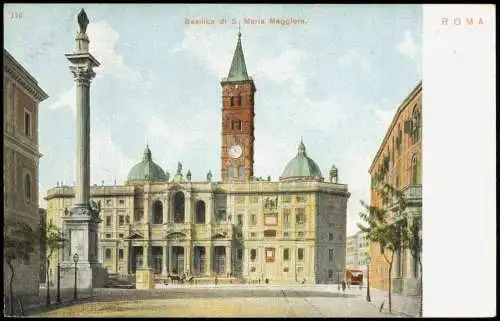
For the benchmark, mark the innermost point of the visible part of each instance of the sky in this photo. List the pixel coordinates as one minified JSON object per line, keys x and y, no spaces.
{"x":336,"y":81}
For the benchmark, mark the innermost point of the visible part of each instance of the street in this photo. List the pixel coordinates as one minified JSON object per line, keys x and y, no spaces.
{"x":222,"y":301}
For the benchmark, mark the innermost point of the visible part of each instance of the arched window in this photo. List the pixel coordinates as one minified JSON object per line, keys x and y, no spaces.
{"x":200,"y":212}
{"x":242,"y":172}
{"x":415,"y":179}
{"x":232,"y":101}
{"x":27,"y":187}
{"x":237,"y":101}
{"x":416,"y":124}
{"x":230,"y":174}
{"x":157,"y":212}
{"x":179,"y":207}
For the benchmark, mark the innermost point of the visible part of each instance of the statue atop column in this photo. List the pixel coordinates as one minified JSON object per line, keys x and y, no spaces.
{"x":83,"y":21}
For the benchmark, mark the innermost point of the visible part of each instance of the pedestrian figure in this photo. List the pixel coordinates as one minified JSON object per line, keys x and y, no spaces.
{"x":303,"y":281}
{"x":259,"y":280}
{"x":343,"y":285}
{"x":349,"y":284}
{"x":216,"y":280}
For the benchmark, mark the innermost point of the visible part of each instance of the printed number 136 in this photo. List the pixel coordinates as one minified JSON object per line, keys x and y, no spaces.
{"x":16,"y":15}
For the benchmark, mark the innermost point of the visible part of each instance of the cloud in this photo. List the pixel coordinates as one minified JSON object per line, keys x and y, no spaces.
{"x":177,"y":136}
{"x":408,"y":46}
{"x":353,"y":57}
{"x":107,"y":160}
{"x":285,"y":67}
{"x":103,"y":39}
{"x":203,"y":43}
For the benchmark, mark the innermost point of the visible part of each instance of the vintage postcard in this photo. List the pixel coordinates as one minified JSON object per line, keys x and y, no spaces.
{"x":224,"y":160}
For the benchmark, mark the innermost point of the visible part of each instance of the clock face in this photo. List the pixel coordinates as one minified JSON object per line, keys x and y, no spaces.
{"x":235,"y":151}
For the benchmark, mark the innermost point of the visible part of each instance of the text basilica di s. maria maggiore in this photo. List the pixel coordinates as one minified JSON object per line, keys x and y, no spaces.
{"x":241,"y":229}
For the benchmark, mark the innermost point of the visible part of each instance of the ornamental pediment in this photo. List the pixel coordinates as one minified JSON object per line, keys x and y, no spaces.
{"x":176,"y":236}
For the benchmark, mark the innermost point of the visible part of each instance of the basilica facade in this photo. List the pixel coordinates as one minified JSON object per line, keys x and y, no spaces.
{"x":241,"y":228}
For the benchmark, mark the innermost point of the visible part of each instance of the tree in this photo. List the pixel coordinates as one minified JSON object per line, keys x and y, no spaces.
{"x":53,"y":242}
{"x":412,"y":235}
{"x":379,"y":229}
{"x":20,"y":241}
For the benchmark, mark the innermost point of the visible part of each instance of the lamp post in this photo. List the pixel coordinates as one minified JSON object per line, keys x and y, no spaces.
{"x":58,"y":295}
{"x":368,"y":261}
{"x":75,"y":259}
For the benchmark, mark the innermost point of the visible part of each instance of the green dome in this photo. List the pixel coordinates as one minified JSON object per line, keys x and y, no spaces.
{"x":301,"y":167}
{"x":147,"y":170}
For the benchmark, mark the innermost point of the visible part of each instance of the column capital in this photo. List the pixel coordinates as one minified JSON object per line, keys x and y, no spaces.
{"x":82,"y":73}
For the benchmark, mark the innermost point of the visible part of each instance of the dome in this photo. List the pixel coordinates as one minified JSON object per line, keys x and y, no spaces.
{"x":147,"y":170}
{"x":301,"y":167}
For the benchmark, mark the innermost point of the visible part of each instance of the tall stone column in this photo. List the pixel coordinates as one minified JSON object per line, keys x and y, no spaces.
{"x":208,"y":260}
{"x":164,"y":261}
{"x":188,"y":257}
{"x":82,"y":223}
{"x":228,"y":268}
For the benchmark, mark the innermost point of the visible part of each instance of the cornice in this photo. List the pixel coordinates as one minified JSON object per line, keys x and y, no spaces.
{"x":400,"y":109}
{"x":16,"y":72}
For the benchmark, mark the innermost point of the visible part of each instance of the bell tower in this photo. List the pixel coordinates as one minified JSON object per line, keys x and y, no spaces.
{"x":238,"y":91}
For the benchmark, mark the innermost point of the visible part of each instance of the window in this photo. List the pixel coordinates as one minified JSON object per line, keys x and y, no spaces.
{"x":300,"y":234}
{"x":27,"y":123}
{"x":300,"y":217}
{"x":286,"y":218}
{"x":200,"y":212}
{"x":127,"y":220}
{"x":109,"y":202}
{"x":179,"y":207}
{"x":242,"y":172}
{"x":230,"y":173}
{"x":239,"y":254}
{"x":236,"y":124}
{"x":253,"y":235}
{"x":237,"y":100}
{"x":286,"y":254}
{"x":232,"y":101}
{"x":240,"y":220}
{"x":270,"y":233}
{"x":138,"y":215}
{"x":286,"y":234}
{"x":285,"y":269}
{"x":120,"y":254}
{"x":414,"y":165}
{"x":254,"y":219}
{"x":300,"y":254}
{"x":122,"y":202}
{"x":330,"y":255}
{"x":108,"y":236}
{"x":330,"y":236}
{"x":121,"y":220}
{"x":108,"y":220}
{"x":415,"y":130}
{"x":27,"y":187}
{"x":330,"y":274}
{"x":252,"y":269}
{"x":270,"y":254}
{"x":253,"y":254}
{"x":157,"y":212}
{"x":107,"y":254}
{"x":120,"y":235}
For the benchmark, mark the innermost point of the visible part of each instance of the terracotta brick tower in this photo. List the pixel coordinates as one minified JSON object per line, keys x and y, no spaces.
{"x":238,"y":91}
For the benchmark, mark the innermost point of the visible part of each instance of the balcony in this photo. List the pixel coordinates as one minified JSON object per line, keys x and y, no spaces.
{"x":412,"y":195}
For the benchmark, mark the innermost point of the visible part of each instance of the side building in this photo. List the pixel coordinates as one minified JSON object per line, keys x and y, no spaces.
{"x":20,"y":163}
{"x":287,"y":231}
{"x":398,"y":162}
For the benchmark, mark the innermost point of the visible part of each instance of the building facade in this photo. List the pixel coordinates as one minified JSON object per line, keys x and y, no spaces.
{"x":287,"y":231}
{"x":357,"y":251}
{"x":398,"y":162}
{"x":20,"y":161}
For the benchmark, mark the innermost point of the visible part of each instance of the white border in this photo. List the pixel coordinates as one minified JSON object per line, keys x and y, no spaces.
{"x":459,"y":263}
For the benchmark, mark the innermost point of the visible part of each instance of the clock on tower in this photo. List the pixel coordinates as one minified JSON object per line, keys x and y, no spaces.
{"x":238,"y":92}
